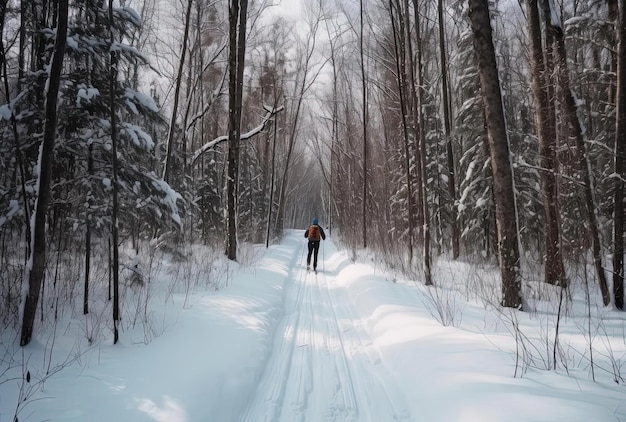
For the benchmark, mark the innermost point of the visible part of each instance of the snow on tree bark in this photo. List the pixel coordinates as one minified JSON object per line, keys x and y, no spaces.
{"x":35,"y":273}
{"x":575,"y":129}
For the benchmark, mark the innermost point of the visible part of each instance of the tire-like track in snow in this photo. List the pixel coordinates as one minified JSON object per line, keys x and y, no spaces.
{"x":323,"y":366}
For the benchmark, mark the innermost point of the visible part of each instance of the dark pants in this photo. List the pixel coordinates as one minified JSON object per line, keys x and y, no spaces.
{"x":314,"y":247}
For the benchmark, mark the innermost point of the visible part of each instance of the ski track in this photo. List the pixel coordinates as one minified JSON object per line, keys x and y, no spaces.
{"x":323,"y":365}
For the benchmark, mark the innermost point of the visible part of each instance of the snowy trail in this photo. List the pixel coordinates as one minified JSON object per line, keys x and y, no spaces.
{"x":280,"y":344}
{"x":323,"y":365}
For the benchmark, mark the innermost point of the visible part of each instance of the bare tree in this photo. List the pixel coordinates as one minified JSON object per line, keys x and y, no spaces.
{"x":35,"y":271}
{"x":14,"y":128}
{"x":414,"y":93}
{"x":87,"y":242}
{"x":575,"y":130}
{"x":447,"y":119}
{"x":115,"y":269}
{"x":303,"y":83}
{"x":402,"y":79}
{"x":613,"y":17}
{"x":506,"y":220}
{"x":620,"y":151}
{"x":417,"y":92}
{"x":364,"y":99}
{"x":334,"y":131}
{"x":179,"y":76}
{"x":238,"y":11}
{"x":272,"y":180}
{"x":554,"y":270}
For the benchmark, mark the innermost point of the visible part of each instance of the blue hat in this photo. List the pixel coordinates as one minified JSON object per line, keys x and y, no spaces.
{"x":315,"y":221}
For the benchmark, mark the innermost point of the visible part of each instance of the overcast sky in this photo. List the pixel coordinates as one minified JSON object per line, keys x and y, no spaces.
{"x":288,"y":8}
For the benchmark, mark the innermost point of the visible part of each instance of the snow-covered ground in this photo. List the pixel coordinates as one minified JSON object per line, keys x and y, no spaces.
{"x":347,"y":344}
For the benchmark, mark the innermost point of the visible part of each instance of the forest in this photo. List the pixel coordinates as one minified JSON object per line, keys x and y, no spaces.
{"x":487,"y":132}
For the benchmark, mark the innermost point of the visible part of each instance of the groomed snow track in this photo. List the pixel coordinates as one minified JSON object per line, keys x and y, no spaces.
{"x":323,"y":366}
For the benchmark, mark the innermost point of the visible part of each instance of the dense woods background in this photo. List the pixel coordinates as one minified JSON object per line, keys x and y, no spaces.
{"x":482,"y":131}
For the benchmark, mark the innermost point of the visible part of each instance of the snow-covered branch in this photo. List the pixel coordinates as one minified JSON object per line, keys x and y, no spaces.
{"x":212,"y":144}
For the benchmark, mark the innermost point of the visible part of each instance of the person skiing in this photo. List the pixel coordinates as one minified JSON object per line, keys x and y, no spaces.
{"x":314,"y":234}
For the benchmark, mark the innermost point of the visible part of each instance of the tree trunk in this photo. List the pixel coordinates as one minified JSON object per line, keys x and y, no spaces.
{"x":365,"y":124}
{"x":613,"y":17}
{"x":334,"y":138}
{"x":113,"y":71}
{"x":445,"y":98}
{"x":418,"y":96}
{"x":301,"y":87}
{"x":554,"y":270}
{"x":272,"y":181}
{"x":36,"y":267}
{"x":508,"y":248}
{"x":399,"y":46}
{"x":87,"y":242}
{"x":237,"y":26}
{"x":21,"y":60}
{"x":16,"y":136}
{"x":620,"y":150}
{"x":179,"y":76}
{"x":576,"y":131}
{"x":87,"y":268}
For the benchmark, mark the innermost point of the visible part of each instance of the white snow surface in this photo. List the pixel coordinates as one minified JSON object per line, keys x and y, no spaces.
{"x":86,"y":94}
{"x":279,"y":343}
{"x":5,"y":112}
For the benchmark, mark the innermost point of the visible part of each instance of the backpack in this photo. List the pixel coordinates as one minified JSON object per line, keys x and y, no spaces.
{"x":314,"y":232}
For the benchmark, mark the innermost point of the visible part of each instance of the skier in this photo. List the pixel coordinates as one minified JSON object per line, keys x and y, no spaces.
{"x":314,"y":233}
